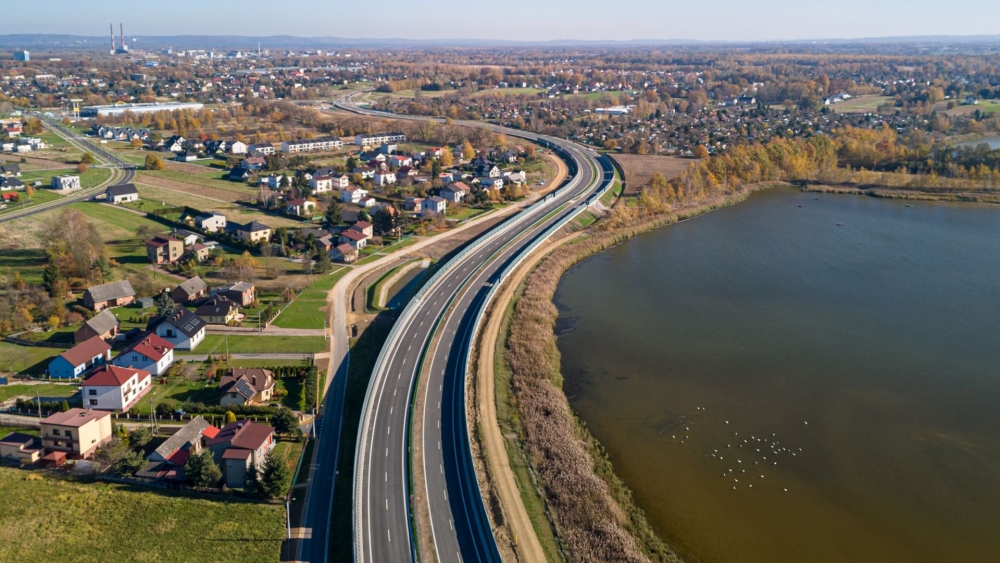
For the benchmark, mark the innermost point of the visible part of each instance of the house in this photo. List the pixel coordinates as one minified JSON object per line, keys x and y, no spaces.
{"x":254,"y":231}
{"x":122,"y":193}
{"x":66,"y":182}
{"x":239,"y":173}
{"x":364,"y":227}
{"x":241,"y":293}
{"x":115,"y":388}
{"x":340,"y":181}
{"x":74,"y":362}
{"x":446,"y":177}
{"x":11,"y":169}
{"x":368,"y":142}
{"x":325,"y":243}
{"x":387,"y":148}
{"x":344,"y":253}
{"x":276,"y":181}
{"x":174,"y":144}
{"x":300,"y":207}
{"x":384,"y":178}
{"x":354,"y":238}
{"x":367,"y":202}
{"x":238,"y":147}
{"x":433,"y":206}
{"x":246,"y":386}
{"x":149,"y":352}
{"x":22,"y":448}
{"x":168,"y":459}
{"x":352,"y":194}
{"x":9,"y":183}
{"x":114,"y":294}
{"x":103,"y":325}
{"x":190,"y":290}
{"x":413,"y":203}
{"x":77,"y":433}
{"x":516,"y":177}
{"x":321,"y":184}
{"x":186,"y":236}
{"x":182,"y":328}
{"x":164,"y":249}
{"x":261,"y":149}
{"x":322,"y":144}
{"x":490,"y":183}
{"x":211,"y":222}
{"x":186,"y":156}
{"x":455,"y":193}
{"x":218,"y":311}
{"x":199,"y":251}
{"x":405,"y":172}
{"x":239,"y":446}
{"x":400,"y":160}
{"x":488,"y":171}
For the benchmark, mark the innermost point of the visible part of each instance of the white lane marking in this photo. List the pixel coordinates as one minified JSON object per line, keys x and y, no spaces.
{"x":409,"y":347}
{"x":441,"y":467}
{"x":439,"y":405}
{"x":387,"y":504}
{"x":387,"y":452}
{"x":388,"y":533}
{"x":439,"y":424}
{"x":450,"y":524}
{"x":388,"y":429}
{"x":391,"y":409}
{"x":386,"y":476}
{"x":445,"y":495}
{"x":439,"y":444}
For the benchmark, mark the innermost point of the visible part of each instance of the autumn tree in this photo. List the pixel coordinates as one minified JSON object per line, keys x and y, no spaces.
{"x":153,"y":162}
{"x":468,"y":152}
{"x":135,"y":143}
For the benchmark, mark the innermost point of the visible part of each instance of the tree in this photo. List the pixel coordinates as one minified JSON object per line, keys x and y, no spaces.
{"x":230,"y":417}
{"x":165,"y":304}
{"x":139,"y":437}
{"x":64,"y":406}
{"x":87,"y":159}
{"x":81,"y":168}
{"x":129,"y":464}
{"x":111,"y":452}
{"x":29,"y":191}
{"x":202,"y":471}
{"x":135,"y":143}
{"x":153,"y":162}
{"x":274,"y":476}
{"x":700,"y":152}
{"x":284,"y":422}
{"x":333,"y":214}
{"x":447,"y":159}
{"x":323,"y":263}
{"x":468,"y":153}
{"x":144,"y":231}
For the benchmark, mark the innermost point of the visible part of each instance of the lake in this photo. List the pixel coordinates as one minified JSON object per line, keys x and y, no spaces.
{"x":993,"y":142}
{"x":800,"y":377}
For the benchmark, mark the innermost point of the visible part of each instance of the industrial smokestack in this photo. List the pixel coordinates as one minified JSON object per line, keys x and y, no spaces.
{"x":112,"y":27}
{"x":122,"y":28}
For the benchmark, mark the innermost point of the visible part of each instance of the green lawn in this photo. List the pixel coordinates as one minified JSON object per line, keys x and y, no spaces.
{"x":31,"y":359}
{"x":46,"y":517}
{"x":92,"y":177}
{"x":463,"y":213}
{"x":211,"y":179}
{"x":245,"y":344}
{"x":40,"y":196}
{"x":612,"y":194}
{"x":126,"y":221}
{"x":294,"y":398}
{"x":304,"y":311}
{"x":43,"y":390}
{"x":509,"y":91}
{"x":178,"y":390}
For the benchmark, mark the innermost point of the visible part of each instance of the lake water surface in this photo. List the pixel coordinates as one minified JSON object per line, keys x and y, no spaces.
{"x":800,"y":377}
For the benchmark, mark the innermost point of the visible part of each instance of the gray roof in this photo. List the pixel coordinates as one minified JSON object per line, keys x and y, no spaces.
{"x":109,"y":291}
{"x":186,"y":435}
{"x":103,"y":322}
{"x":186,"y":321}
{"x":122,"y":189}
{"x":193,"y":286}
{"x":238,"y":287}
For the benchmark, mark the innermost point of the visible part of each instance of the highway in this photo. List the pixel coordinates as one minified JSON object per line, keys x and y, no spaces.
{"x":122,"y":173}
{"x":447,"y":308}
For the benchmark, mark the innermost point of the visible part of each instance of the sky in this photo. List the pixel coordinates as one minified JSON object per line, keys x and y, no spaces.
{"x":524,"y":20}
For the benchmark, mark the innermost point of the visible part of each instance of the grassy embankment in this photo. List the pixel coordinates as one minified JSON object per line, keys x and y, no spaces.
{"x":309,"y":308}
{"x":44,"y":517}
{"x":596,"y":517}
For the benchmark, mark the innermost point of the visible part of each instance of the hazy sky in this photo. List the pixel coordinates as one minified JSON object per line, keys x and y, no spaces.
{"x":511,"y":19}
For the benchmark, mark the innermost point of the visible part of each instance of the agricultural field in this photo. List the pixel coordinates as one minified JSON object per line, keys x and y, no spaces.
{"x":640,"y":168}
{"x":250,"y":344}
{"x":47,"y":517}
{"x":861,"y":104}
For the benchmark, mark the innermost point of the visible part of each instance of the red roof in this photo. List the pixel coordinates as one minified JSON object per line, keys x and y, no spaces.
{"x":353,"y":235}
{"x":75,"y":417}
{"x":179,"y":457}
{"x":158,"y":241}
{"x":243,"y":434}
{"x":86,"y":351}
{"x":236,"y":453}
{"x":113,"y":376}
{"x":296,"y":202}
{"x":210,"y":432}
{"x":151,"y":346}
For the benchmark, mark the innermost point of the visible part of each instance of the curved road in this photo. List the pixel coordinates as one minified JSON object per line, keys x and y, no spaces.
{"x":122,"y":173}
{"x":447,"y":308}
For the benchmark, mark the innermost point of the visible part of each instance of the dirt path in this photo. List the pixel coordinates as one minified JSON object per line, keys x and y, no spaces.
{"x":495,"y":448}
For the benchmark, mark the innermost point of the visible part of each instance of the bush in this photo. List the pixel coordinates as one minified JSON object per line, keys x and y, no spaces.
{"x":129,"y":464}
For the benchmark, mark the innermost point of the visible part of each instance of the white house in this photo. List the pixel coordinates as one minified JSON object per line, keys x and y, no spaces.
{"x":341,"y":181}
{"x":384,"y":178}
{"x":356,"y":239}
{"x":367,"y":202}
{"x":113,"y":388}
{"x":182,"y":328}
{"x":66,"y":182}
{"x":491,"y":183}
{"x":323,"y":144}
{"x":211,"y":222}
{"x":321,"y":184}
{"x":353,"y":194}
{"x":516,"y":177}
{"x":122,"y":193}
{"x":432,"y":206}
{"x":455,"y":193}
{"x":150,"y":353}
{"x":238,"y":147}
{"x":300,"y":207}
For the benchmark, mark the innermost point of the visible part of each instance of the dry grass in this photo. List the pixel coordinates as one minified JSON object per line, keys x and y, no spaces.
{"x":202,"y":191}
{"x":640,"y":168}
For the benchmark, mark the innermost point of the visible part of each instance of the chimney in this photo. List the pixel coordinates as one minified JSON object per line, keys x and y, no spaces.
{"x":122,"y":28}
{"x":112,"y":27}
{"x":253,"y":380}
